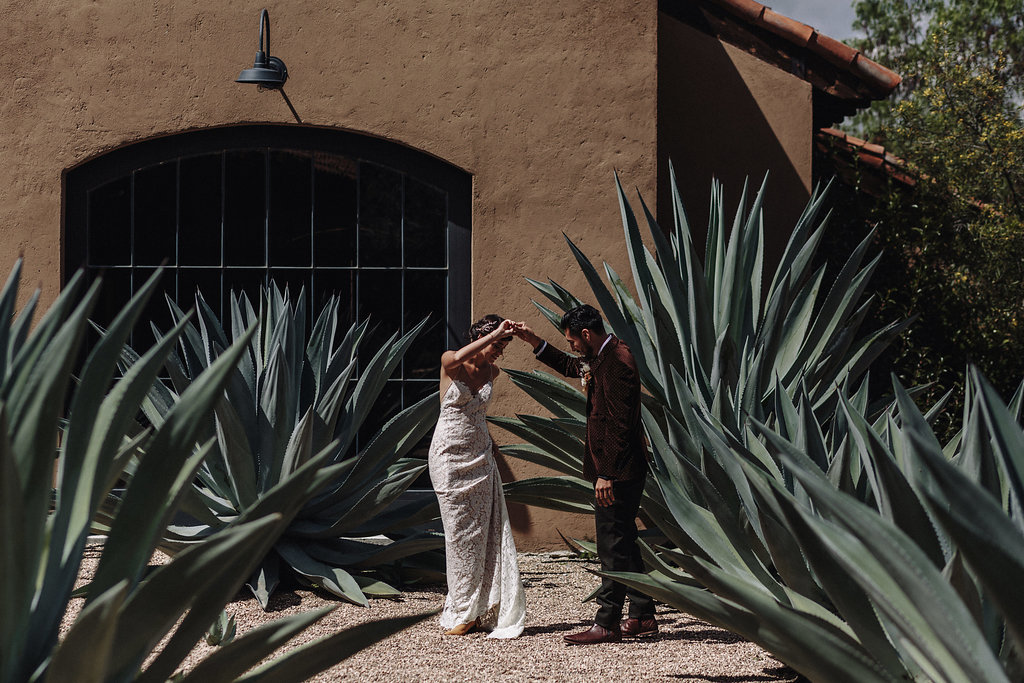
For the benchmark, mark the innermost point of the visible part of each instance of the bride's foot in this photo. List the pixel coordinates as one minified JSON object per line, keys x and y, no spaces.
{"x":462,"y":629}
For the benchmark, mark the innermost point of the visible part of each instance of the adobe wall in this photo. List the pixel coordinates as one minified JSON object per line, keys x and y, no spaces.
{"x":727,"y":114}
{"x":540,"y":101}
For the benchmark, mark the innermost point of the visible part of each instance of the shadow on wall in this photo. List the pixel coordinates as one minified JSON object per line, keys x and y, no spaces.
{"x":712,"y":123}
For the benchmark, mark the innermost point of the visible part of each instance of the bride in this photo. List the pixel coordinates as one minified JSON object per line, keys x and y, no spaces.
{"x":484,"y":590}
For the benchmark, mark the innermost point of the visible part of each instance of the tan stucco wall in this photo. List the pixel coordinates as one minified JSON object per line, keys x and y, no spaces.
{"x":538,"y":100}
{"x":728,"y":114}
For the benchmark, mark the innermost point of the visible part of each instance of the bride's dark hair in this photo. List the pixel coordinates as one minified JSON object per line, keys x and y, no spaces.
{"x":484,"y":326}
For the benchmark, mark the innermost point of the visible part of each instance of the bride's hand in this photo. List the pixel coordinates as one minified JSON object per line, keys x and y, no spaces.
{"x":506,"y":329}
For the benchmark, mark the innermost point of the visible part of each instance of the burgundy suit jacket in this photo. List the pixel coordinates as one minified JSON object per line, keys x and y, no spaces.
{"x":615,"y":443}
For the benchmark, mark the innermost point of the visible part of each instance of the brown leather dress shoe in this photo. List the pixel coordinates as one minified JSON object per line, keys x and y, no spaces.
{"x":594,"y":635}
{"x":644,"y":627}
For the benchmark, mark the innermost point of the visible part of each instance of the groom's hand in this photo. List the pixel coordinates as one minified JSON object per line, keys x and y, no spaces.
{"x":527,"y":335}
{"x":603,"y":492}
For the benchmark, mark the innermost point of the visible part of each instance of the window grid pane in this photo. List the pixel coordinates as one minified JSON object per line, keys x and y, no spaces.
{"x":373,"y":236}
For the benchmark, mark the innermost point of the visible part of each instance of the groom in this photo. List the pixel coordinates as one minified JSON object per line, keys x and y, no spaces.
{"x":614,"y":460}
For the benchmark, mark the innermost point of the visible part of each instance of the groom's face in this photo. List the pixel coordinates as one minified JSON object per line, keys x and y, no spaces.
{"x":581,"y":343}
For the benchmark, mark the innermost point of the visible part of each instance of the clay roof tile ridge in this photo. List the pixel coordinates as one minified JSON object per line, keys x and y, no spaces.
{"x":877,"y":77}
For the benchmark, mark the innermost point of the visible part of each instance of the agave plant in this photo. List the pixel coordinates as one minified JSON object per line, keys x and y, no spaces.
{"x":289,"y":398}
{"x":839,"y":536}
{"x":705,"y":334}
{"x":117,"y":635}
{"x":904,"y":568}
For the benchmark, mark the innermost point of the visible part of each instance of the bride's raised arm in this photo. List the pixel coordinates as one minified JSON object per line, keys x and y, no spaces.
{"x":450,"y":360}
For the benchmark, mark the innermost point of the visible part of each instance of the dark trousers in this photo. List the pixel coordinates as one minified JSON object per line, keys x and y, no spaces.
{"x":618,"y":551}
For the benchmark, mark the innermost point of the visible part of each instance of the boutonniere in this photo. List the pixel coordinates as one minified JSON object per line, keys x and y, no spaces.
{"x":585,"y":375}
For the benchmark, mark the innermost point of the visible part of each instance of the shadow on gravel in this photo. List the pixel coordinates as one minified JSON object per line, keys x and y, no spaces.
{"x":555,"y":628}
{"x":705,"y":634}
{"x":281,"y":600}
{"x":778,"y":674}
{"x":669,"y":631}
{"x":702,"y":635}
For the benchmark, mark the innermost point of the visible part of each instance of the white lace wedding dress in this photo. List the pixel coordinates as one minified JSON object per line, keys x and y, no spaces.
{"x":483,"y":575}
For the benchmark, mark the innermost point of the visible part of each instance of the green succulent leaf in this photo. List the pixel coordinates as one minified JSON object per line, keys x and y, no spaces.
{"x":567,"y":494}
{"x":988,"y":538}
{"x":310,"y":659}
{"x":233,"y":659}
{"x":813,"y":647}
{"x":905,"y":586}
{"x":215,"y":570}
{"x":285,"y":434}
{"x":825,"y":526}
{"x":138,"y":622}
{"x":333,"y":579}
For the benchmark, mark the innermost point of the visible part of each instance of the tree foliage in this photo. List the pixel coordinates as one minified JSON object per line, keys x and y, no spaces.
{"x":897,"y":32}
{"x":954,"y":239}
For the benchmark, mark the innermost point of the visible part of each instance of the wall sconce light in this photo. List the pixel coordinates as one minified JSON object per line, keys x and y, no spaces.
{"x":266,"y":71}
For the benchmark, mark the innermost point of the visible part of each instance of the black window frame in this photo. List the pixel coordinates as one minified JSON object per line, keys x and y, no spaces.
{"x":79,"y":181}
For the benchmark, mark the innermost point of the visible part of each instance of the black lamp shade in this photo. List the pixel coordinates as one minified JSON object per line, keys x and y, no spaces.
{"x":267,"y":72}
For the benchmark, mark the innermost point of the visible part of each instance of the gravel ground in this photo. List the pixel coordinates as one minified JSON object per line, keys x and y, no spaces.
{"x":687,"y":649}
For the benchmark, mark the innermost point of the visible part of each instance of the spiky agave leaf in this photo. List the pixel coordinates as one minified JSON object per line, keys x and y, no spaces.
{"x":757,"y":412}
{"x":294,"y":399}
{"x":123,"y":620}
{"x":704,"y":335}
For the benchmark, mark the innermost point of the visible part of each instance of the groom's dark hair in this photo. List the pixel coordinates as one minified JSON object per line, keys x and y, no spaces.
{"x":583,"y":317}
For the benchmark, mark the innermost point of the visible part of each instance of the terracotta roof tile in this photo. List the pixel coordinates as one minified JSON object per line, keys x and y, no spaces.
{"x":830,"y":140}
{"x":880,"y":79}
{"x":869,"y":154}
{"x":801,"y":34}
{"x":748,"y":9}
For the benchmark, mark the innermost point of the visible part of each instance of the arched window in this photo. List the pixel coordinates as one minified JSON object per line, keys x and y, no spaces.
{"x":384,"y":226}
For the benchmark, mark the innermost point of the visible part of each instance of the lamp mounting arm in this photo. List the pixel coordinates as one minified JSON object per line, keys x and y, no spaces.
{"x":264,"y":25}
